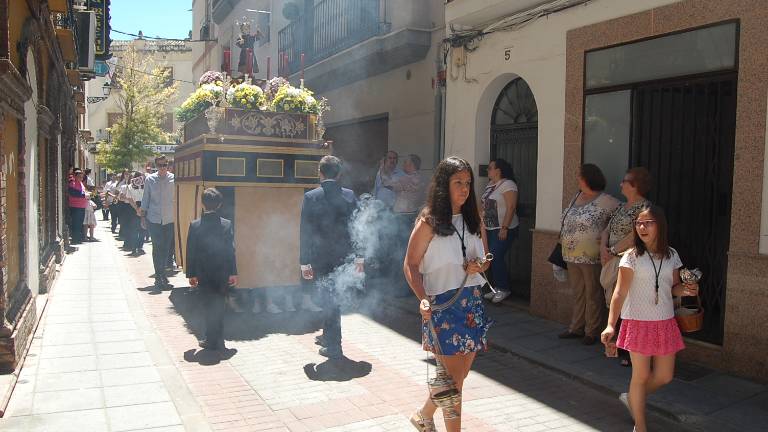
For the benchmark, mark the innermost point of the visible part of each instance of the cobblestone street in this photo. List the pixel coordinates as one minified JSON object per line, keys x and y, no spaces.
{"x":109,"y":355}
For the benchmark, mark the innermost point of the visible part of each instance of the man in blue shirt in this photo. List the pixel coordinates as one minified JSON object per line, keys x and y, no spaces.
{"x":157,"y":207}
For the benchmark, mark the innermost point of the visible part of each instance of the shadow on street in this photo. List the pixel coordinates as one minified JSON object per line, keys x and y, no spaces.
{"x":208,"y":357}
{"x":342,"y":369}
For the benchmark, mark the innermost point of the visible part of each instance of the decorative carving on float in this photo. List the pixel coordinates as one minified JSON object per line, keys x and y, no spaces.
{"x":274,"y":125}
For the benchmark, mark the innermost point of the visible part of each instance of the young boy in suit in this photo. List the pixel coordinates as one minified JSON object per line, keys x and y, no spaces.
{"x":211,"y":265}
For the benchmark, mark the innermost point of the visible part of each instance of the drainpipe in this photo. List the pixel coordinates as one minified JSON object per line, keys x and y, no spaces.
{"x":441,"y":85}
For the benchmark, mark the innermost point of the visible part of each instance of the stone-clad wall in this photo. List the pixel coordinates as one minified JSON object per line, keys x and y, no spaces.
{"x":745,"y":343}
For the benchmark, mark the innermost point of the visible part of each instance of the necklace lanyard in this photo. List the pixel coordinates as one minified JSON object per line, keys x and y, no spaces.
{"x":656,"y":273}
{"x":461,"y":237}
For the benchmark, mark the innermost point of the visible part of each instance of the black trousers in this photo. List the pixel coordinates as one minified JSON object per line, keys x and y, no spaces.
{"x":162,"y":242}
{"x":121,"y":223}
{"x":105,"y":213}
{"x":332,"y":312}
{"x":131,"y":223}
{"x":76,"y":217}
{"x":213,"y":298}
{"x":116,"y":211}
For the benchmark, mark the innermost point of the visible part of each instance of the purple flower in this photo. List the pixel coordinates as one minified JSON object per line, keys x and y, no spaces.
{"x":273,"y":85}
{"x":211,"y":77}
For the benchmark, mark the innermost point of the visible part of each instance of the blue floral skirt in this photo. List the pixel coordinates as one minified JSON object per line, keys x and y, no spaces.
{"x":460,"y":328}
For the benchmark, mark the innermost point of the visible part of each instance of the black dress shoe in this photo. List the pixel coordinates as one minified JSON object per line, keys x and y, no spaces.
{"x":568,"y":335}
{"x":331,"y":353}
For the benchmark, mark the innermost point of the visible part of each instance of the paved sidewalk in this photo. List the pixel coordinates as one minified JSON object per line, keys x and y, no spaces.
{"x":95,"y":363}
{"x":698,"y":397}
{"x":112,"y":355}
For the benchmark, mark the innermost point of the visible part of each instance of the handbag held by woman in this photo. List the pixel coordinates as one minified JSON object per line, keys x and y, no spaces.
{"x":690,"y":318}
{"x":556,"y":257}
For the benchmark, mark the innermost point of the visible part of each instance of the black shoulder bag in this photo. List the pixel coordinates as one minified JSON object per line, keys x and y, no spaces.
{"x":556,"y":257}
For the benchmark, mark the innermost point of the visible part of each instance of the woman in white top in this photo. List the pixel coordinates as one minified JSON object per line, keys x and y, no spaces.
{"x":118,"y":206}
{"x":649,"y":276}
{"x":501,"y":222}
{"x":443,"y":269}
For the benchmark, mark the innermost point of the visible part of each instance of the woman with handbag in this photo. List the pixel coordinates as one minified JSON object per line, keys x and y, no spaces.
{"x":501,"y":222}
{"x":649,"y":277}
{"x":619,"y":235}
{"x":443,"y":263}
{"x":583,"y":222}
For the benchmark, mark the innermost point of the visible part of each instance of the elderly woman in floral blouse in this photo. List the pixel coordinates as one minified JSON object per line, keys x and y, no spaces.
{"x":583,"y":223}
{"x":618,"y":236}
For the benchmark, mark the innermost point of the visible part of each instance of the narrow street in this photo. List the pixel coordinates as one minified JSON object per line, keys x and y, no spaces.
{"x":108,"y":355}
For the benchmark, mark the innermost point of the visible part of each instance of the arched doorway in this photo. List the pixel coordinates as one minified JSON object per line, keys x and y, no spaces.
{"x":514,"y":137}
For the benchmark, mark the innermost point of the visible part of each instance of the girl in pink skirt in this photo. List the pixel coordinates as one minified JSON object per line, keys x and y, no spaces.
{"x":648,"y":279}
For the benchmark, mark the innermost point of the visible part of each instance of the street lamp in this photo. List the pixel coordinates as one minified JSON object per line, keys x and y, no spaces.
{"x":105,"y":90}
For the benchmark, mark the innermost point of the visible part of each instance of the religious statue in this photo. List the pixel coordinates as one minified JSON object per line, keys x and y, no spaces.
{"x":245,"y":41}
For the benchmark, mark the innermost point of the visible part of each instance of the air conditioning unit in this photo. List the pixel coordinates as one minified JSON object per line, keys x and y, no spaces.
{"x":86,"y":43}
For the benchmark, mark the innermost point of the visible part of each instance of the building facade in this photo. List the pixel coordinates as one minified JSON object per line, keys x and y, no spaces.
{"x":41,"y":111}
{"x":676,"y":86}
{"x":104,"y":109}
{"x":376,"y":61}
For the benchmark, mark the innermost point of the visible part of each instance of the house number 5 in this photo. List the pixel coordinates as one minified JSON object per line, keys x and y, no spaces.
{"x":507,"y":54}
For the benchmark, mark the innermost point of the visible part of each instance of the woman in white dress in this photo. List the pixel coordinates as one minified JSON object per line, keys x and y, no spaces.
{"x":89,"y":222}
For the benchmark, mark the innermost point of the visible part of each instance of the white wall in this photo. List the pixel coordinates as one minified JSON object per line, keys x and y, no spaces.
{"x":537,"y":54}
{"x":409,"y":103}
{"x":98,"y":113}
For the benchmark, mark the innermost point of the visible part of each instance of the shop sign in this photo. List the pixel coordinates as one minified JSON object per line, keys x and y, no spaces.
{"x":164,"y":149}
{"x":101,"y":9}
{"x":101,"y":68}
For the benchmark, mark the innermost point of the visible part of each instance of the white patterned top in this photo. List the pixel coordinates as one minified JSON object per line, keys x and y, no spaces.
{"x":640,"y":302}
{"x":582,"y":227}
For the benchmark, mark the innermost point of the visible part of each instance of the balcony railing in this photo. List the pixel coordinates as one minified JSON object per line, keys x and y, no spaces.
{"x":330,"y":27}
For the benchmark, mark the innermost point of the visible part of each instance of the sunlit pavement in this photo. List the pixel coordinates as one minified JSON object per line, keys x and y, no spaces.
{"x":112,"y":355}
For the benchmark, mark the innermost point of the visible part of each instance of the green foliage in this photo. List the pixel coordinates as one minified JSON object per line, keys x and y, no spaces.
{"x":143,"y":92}
{"x":130,"y":140}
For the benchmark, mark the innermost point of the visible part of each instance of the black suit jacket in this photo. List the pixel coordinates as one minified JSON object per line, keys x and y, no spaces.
{"x":211,"y":250}
{"x":324,"y":232}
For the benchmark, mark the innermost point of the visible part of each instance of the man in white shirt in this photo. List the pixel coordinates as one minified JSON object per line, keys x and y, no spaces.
{"x":388,"y":171}
{"x":157,"y":207}
{"x":106,"y":197}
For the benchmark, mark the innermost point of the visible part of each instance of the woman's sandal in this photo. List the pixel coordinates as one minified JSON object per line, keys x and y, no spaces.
{"x":421,"y":423}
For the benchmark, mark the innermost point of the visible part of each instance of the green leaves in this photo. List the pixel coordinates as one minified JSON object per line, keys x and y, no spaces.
{"x":144,"y":91}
